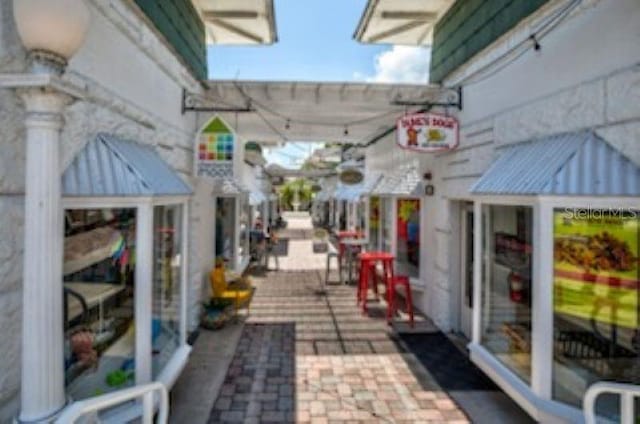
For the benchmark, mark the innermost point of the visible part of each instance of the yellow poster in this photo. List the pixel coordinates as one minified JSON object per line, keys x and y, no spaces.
{"x":596,"y":265}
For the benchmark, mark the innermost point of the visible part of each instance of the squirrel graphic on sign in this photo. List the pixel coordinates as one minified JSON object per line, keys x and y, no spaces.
{"x":412,"y":136}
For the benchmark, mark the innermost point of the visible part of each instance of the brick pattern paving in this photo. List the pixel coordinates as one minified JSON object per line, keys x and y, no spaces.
{"x":306,"y":356}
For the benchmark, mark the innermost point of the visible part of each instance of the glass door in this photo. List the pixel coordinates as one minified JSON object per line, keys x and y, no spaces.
{"x":466,"y":274}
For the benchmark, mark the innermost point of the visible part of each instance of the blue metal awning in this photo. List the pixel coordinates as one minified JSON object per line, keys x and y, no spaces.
{"x":110,"y":166}
{"x":573,"y":164}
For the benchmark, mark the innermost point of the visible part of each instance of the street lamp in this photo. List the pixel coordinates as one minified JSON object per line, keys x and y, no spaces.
{"x":51,"y":30}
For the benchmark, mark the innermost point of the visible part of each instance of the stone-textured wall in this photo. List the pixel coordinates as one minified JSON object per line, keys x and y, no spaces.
{"x":12,"y":58}
{"x":538,"y":95}
{"x":142,"y":105}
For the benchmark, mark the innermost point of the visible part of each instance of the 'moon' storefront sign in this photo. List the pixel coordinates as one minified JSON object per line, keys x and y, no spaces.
{"x":427,"y":132}
{"x":215,"y":151}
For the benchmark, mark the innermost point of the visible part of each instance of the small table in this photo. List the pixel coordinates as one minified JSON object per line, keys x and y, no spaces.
{"x":366,"y":259}
{"x":352,"y":246}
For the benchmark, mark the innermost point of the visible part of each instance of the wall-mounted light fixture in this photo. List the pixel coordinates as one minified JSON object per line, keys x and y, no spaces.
{"x":429,"y":189}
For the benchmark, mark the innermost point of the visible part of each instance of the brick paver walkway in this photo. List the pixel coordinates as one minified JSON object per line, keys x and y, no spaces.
{"x":309,"y":357}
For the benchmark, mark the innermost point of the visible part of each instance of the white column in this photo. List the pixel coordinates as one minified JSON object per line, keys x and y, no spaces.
{"x":43,"y":391}
{"x":144,"y":292}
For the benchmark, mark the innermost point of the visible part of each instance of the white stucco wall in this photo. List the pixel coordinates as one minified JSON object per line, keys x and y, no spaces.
{"x":135,"y":88}
{"x":586,"y":76}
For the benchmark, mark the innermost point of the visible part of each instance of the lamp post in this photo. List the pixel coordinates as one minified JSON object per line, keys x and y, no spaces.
{"x":52,"y":31}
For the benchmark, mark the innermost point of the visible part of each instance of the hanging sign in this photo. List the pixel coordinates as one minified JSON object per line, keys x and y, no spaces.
{"x":215,"y":150}
{"x":427,"y":132}
{"x":351,"y":176}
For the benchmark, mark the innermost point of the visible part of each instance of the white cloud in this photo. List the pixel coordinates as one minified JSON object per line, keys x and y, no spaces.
{"x":401,"y":64}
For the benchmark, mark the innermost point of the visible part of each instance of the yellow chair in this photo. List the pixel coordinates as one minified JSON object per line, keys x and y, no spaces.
{"x":239,"y":293}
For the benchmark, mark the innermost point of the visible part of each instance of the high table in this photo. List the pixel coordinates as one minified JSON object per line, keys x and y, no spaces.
{"x":366,"y":261}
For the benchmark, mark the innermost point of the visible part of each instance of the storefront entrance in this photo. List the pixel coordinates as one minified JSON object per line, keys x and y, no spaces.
{"x":466,"y":271}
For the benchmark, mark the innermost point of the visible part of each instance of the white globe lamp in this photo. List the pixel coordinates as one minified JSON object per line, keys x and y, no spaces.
{"x":51,"y":30}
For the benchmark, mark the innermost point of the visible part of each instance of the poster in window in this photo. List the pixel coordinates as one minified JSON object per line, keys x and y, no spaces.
{"x":596,"y":268}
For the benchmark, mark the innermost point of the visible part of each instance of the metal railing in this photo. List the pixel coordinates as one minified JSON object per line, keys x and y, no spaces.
{"x":93,"y":405}
{"x":627,"y":393}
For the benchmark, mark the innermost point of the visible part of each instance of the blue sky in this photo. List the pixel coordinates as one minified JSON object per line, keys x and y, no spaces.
{"x":315,"y":43}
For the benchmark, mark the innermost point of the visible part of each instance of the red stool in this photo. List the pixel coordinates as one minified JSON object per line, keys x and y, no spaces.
{"x":400,"y":281}
{"x":368,"y":273}
{"x":368,"y":261}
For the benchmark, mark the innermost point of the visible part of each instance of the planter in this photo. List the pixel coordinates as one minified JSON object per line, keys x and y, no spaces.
{"x":215,"y":315}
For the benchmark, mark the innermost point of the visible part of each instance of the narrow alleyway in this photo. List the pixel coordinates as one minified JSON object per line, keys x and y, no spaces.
{"x":308,"y":355}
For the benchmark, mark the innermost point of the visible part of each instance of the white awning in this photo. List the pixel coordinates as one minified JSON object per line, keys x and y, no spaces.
{"x":238,"y":21}
{"x":404,"y":22}
{"x":310,"y":111}
{"x":228,"y":187}
{"x":405,"y":181}
{"x":256,"y":197}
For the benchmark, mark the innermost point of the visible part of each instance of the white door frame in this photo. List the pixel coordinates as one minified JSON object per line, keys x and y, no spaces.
{"x":465,"y":313}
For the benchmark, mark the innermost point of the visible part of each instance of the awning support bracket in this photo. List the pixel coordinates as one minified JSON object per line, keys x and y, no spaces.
{"x":195,"y":103}
{"x":428,"y":105}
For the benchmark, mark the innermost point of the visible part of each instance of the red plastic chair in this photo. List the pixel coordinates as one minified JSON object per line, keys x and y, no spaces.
{"x":397,"y":282}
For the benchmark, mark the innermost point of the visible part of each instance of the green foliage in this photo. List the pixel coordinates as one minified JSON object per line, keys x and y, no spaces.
{"x":288,"y":193}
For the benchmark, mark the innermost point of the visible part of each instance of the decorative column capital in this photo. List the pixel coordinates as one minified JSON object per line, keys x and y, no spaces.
{"x":44,"y":107}
{"x":44,"y":96}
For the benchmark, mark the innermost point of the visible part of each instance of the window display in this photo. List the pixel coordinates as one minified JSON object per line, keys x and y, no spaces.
{"x":167,"y":239}
{"x":225,"y":227}
{"x":506,"y":309}
{"x":408,"y":238}
{"x":374,"y":223}
{"x":99,"y":332}
{"x":596,"y":300}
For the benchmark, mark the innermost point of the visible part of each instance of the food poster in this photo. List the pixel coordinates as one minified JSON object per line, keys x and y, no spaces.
{"x":408,"y":219}
{"x":596,"y":265}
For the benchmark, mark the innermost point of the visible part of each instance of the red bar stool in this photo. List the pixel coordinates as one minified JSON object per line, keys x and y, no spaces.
{"x":397,"y":282}
{"x":368,"y":261}
{"x":368,"y":272}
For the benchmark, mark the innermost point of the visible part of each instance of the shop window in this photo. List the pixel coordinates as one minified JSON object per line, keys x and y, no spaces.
{"x":167,"y":240}
{"x":408,"y":238}
{"x":99,"y":332}
{"x":361,"y":223}
{"x":225,"y":227}
{"x":342,"y":215}
{"x":374,"y":223}
{"x":596,"y":300}
{"x":386,"y":212}
{"x":506,"y":309}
